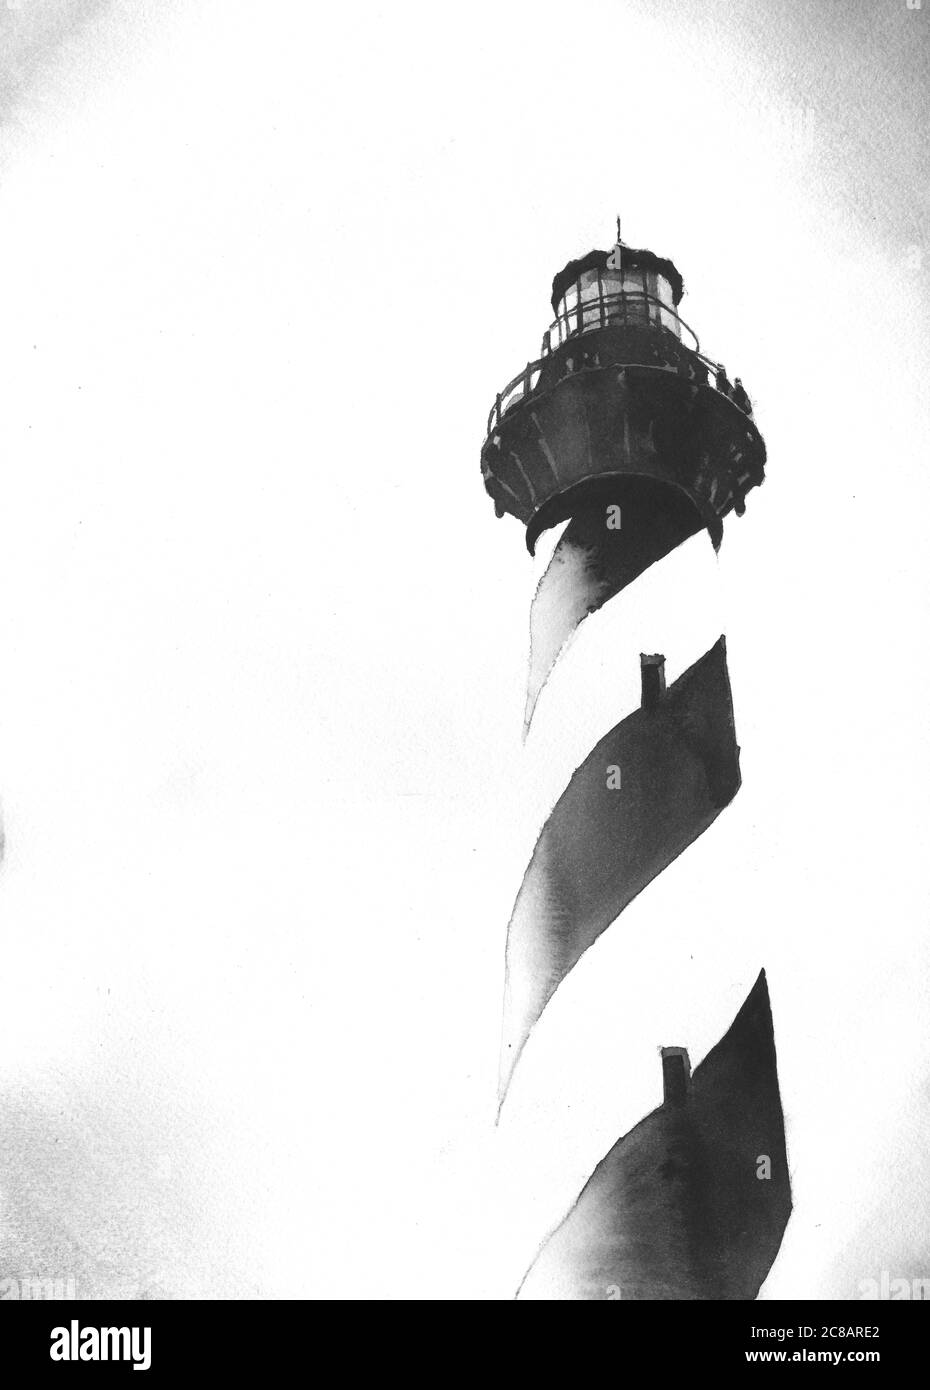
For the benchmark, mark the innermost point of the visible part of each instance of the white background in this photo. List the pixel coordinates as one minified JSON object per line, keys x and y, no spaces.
{"x":263,"y":643}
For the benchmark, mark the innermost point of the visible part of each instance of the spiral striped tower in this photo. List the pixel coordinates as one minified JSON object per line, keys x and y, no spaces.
{"x":623,"y":431}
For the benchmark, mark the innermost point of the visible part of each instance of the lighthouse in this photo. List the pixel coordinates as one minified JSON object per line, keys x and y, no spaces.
{"x":624,"y":432}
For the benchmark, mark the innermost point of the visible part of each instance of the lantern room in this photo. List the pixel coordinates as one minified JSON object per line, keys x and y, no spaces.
{"x":608,"y":288}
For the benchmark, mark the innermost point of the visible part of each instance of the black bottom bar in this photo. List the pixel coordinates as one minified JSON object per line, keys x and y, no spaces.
{"x":342,"y":1341}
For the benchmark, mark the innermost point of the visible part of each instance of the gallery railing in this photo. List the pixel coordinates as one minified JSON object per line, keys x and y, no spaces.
{"x":633,"y":310}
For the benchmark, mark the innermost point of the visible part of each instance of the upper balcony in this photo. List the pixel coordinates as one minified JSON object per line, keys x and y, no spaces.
{"x":582,"y":313}
{"x":657,"y":336}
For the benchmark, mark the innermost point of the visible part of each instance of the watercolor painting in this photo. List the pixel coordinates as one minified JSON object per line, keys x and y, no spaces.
{"x":463,"y":737}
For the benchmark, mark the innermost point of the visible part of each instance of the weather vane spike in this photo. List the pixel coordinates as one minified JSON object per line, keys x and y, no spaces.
{"x":615,"y":259}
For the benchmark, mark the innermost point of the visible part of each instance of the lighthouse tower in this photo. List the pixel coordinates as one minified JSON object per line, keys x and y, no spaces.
{"x":623,"y":430}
